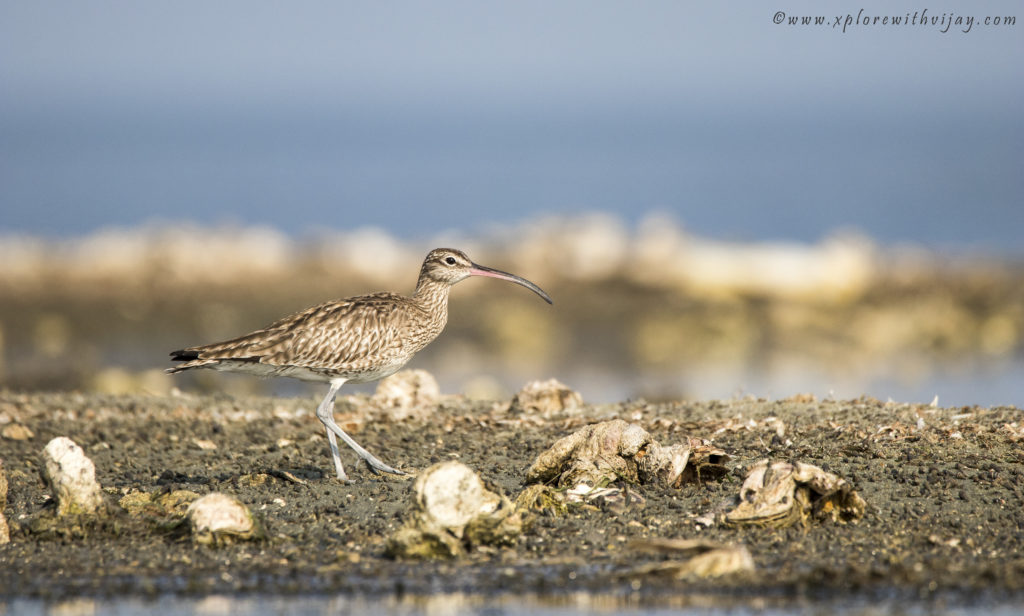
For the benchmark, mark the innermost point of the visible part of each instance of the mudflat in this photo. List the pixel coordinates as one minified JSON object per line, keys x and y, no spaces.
{"x":944,"y":489}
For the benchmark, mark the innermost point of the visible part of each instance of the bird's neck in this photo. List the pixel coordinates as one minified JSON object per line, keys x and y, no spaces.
{"x":432,"y":297}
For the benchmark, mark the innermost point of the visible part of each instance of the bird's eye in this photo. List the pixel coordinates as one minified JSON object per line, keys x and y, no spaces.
{"x":450,"y":260}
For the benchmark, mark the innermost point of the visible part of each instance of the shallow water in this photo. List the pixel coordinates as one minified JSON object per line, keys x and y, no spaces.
{"x":459,"y":604}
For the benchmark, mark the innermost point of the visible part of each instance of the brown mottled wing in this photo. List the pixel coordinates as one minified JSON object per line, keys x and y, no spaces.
{"x":349,"y":336}
{"x":346,"y":335}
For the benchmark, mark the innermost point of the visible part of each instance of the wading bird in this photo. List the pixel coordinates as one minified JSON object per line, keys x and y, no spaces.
{"x":354,"y":340}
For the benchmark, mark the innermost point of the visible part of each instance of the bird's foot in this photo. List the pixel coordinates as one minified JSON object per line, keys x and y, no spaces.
{"x":378,"y":467}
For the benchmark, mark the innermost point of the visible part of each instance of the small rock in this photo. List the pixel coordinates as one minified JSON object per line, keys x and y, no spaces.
{"x":16,"y":432}
{"x":204,"y":444}
{"x":71,"y":477}
{"x":453,"y":510}
{"x":218,"y":518}
{"x":1014,"y":431}
{"x":780,"y":494}
{"x":409,"y":394}
{"x":805,"y":398}
{"x":452,"y":494}
{"x":253,"y":480}
{"x":547,"y":399}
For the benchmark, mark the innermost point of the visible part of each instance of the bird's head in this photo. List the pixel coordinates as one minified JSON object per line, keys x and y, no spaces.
{"x":449,"y":266}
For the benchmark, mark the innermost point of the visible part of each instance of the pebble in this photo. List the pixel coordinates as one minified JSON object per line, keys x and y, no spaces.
{"x":409,"y":394}
{"x":452,"y":494}
{"x":454,"y":509}
{"x":547,"y":399}
{"x":71,"y":476}
{"x":217,"y":517}
{"x":16,"y":432}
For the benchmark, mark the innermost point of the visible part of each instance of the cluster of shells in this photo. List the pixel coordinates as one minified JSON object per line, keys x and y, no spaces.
{"x":454,"y":510}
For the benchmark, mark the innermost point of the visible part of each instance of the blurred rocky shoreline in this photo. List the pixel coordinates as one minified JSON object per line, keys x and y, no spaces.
{"x":649,"y":311}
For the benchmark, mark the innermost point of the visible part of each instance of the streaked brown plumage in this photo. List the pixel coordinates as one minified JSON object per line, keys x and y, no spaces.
{"x":354,"y":340}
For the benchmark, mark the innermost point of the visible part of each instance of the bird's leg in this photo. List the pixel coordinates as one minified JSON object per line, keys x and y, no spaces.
{"x":325,"y":413}
{"x":326,"y":410}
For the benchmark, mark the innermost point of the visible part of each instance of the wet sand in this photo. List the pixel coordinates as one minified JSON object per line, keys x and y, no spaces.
{"x":944,"y":488}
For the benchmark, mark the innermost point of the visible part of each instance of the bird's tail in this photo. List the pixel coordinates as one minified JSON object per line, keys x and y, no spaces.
{"x":191,"y":359}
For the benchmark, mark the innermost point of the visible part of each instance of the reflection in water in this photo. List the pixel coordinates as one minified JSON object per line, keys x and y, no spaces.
{"x":459,"y":604}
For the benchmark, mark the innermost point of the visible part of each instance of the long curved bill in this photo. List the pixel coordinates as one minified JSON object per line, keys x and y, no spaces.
{"x":480,"y":270}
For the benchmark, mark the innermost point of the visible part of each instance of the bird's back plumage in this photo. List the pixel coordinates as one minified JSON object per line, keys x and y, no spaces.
{"x":358,"y":339}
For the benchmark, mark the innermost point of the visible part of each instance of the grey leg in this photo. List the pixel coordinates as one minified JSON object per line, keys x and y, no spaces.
{"x":326,"y":409}
{"x":325,"y":413}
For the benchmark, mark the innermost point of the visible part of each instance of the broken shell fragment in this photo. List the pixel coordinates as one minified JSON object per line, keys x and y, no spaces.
{"x":779,"y":494}
{"x":172,"y":503}
{"x":71,"y":477}
{"x":218,"y":518}
{"x":693,"y":558}
{"x":595,"y":454}
{"x":601,"y":453}
{"x":500,"y":527}
{"x":547,"y":399}
{"x":615,"y":498}
{"x":452,"y":494}
{"x":542,"y":499}
{"x":453,"y":510}
{"x":694,"y":461}
{"x":5,"y":532}
{"x":545,"y":500}
{"x":409,"y":394}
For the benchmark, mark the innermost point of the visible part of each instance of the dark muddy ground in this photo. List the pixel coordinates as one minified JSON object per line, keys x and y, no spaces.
{"x":944,"y":487}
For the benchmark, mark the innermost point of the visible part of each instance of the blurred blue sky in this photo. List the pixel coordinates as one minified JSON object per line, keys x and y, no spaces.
{"x":423,"y":117}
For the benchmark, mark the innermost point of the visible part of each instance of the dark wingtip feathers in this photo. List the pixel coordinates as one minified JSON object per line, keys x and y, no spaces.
{"x":184,"y":355}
